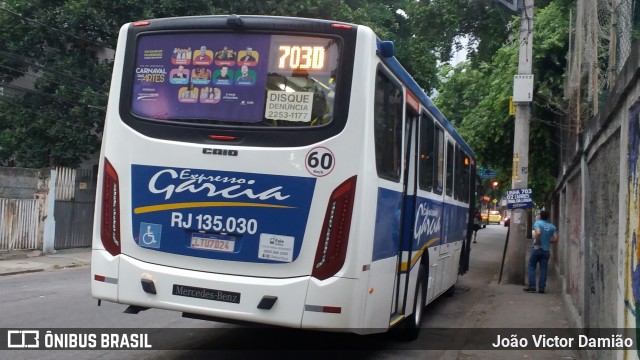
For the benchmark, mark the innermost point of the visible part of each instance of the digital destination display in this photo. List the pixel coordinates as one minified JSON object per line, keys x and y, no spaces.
{"x":301,"y":57}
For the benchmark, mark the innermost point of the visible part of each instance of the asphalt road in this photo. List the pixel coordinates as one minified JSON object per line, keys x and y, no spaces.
{"x":62,"y":299}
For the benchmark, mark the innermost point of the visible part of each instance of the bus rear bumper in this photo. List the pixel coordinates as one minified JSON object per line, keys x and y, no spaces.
{"x":225,"y":297}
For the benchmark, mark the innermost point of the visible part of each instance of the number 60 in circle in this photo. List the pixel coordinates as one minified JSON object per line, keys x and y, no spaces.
{"x":320,"y":161}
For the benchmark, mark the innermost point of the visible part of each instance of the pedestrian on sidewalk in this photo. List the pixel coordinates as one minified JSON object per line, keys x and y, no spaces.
{"x":477,"y":222}
{"x":545,"y":234}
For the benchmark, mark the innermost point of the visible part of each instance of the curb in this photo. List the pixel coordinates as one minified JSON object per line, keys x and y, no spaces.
{"x":21,"y":272}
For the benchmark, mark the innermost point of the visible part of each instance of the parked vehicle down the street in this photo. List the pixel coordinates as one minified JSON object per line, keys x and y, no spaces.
{"x":494,"y":217}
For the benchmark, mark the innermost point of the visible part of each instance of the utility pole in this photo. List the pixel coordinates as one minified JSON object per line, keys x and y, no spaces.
{"x":515,"y":261}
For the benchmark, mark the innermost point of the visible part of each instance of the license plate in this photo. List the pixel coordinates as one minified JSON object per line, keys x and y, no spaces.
{"x":213,"y":242}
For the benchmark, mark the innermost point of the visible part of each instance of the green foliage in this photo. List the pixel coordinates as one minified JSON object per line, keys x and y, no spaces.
{"x":56,"y":45}
{"x":474,"y":95}
{"x":439,"y":24}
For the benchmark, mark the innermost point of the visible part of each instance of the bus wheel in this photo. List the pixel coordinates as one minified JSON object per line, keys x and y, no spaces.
{"x":414,"y":322}
{"x":450,"y":291}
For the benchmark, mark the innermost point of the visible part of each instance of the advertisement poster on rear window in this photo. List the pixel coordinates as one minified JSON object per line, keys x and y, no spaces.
{"x":201,"y":76}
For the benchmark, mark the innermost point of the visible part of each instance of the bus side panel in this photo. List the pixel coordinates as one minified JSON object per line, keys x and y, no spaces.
{"x":411,"y":287}
{"x":434,"y":276}
{"x":378,"y":305}
{"x":453,"y":270}
{"x":104,"y":265}
{"x":382,"y":274}
{"x":334,"y":292}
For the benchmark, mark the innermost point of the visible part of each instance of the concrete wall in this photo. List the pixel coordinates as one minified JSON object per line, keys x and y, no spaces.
{"x":19,"y":183}
{"x":574,"y":243}
{"x":597,"y":206}
{"x":601,"y":234}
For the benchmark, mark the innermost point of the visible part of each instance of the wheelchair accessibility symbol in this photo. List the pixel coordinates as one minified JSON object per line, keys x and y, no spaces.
{"x":150,"y":235}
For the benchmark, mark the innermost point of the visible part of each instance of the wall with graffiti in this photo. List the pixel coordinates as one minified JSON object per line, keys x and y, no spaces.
{"x":630,"y":272}
{"x":601,"y":226}
{"x":573,"y":244}
{"x":598,"y":200}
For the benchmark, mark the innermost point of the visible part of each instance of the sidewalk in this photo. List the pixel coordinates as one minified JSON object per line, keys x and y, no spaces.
{"x":508,"y":308}
{"x":515,"y":312}
{"x":19,"y":262}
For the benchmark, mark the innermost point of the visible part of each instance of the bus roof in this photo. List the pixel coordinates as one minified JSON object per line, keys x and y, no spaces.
{"x":411,"y":84}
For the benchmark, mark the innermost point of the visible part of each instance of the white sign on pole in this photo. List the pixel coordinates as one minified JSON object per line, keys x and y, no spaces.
{"x":522,"y":88}
{"x":519,"y":199}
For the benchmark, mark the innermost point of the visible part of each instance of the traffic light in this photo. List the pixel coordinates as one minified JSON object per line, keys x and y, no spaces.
{"x":494,"y":184}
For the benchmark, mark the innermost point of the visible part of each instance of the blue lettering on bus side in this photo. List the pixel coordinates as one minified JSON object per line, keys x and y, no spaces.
{"x":184,"y":201}
{"x":427,"y":224}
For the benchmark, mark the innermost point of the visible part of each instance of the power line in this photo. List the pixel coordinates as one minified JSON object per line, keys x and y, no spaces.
{"x":93,"y":42}
{"x":21,"y":59}
{"x":25,"y":73}
{"x":9,"y":100}
{"x":52,"y":97}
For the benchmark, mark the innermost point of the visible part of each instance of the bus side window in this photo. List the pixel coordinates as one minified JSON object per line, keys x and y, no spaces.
{"x":457,"y":184}
{"x":427,"y":153}
{"x":439,"y":154}
{"x":450,"y":166}
{"x":388,"y":127}
{"x":462,"y":175}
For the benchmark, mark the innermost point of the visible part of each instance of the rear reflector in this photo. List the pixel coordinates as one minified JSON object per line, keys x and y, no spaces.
{"x":105,"y":279}
{"x":323,"y":309}
{"x":332,"y":309}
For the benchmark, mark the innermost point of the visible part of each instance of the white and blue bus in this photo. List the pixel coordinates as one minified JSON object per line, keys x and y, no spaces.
{"x":280,"y":171}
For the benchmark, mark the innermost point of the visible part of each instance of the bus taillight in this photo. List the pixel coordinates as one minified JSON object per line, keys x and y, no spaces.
{"x":110,"y":220}
{"x":334,"y":237}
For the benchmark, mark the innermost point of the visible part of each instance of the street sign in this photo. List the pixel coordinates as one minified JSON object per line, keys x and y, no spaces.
{"x":487,"y":174}
{"x":519,"y":199}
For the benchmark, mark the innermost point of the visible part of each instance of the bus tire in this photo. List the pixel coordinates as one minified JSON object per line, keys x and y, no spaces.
{"x":414,"y":322}
{"x":450,"y":291}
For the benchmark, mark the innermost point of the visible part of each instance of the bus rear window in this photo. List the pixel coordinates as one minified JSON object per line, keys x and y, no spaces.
{"x":235,"y":79}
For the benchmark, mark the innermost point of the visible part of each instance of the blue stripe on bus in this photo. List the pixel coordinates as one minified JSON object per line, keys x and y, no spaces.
{"x":387,"y":227}
{"x":427,"y":223}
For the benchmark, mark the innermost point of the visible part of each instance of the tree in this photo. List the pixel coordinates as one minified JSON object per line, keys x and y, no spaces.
{"x":56,"y":44}
{"x":475,"y":96}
